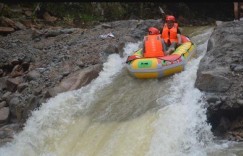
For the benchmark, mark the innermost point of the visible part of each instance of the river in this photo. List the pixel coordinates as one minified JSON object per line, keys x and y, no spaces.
{"x":118,"y":115}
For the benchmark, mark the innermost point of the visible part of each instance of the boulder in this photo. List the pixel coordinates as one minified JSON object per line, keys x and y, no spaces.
{"x":20,"y":26}
{"x":24,"y":111}
{"x":6,"y":30}
{"x":6,"y":95}
{"x":76,"y":80}
{"x":106,"y":25}
{"x":13,"y":103}
{"x":4,"y":114}
{"x":3,"y":104}
{"x":33,"y":75}
{"x":48,"y":17}
{"x":28,"y":13}
{"x":12,"y":83}
{"x":7,"y":22}
{"x":210,"y":81}
{"x":3,"y":83}
{"x":17,"y":71}
{"x":21,"y":87}
{"x":7,"y":132}
{"x":37,"y":91}
{"x":238,"y":68}
{"x":111,"y":48}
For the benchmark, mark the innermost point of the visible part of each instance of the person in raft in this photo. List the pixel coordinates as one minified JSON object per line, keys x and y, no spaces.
{"x":152,"y":44}
{"x":171,"y":35}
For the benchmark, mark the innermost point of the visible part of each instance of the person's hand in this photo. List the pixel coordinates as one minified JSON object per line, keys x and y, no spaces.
{"x":168,"y":52}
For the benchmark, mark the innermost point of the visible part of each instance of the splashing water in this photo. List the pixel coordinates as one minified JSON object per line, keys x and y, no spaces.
{"x":119,"y":115}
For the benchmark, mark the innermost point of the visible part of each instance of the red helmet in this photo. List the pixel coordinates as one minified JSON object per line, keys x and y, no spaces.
{"x":170,"y":18}
{"x":153,"y":31}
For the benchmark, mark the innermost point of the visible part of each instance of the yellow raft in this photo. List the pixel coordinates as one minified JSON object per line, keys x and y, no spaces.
{"x":141,"y":67}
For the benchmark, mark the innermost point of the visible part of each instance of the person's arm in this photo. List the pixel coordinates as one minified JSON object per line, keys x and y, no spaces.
{"x":161,"y":30}
{"x":171,"y":49}
{"x":179,"y":39}
{"x":179,"y":36}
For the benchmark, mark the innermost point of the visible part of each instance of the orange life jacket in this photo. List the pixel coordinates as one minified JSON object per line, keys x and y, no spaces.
{"x":170,"y":35}
{"x":153,"y":46}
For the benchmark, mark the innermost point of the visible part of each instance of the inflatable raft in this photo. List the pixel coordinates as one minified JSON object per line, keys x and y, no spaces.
{"x":158,"y":67}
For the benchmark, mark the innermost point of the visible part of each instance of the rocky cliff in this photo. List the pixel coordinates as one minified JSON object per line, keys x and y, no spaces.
{"x":220,"y":76}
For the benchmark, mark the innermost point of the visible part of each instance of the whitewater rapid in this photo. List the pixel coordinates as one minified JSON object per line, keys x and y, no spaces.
{"x":117,"y":115}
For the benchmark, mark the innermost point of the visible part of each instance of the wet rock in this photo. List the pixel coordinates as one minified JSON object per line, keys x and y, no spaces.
{"x":223,"y":98}
{"x":21,"y":87}
{"x":120,"y":47}
{"x":238,"y":68}
{"x":210,"y":81}
{"x":15,"y":62}
{"x":66,"y":73}
{"x":48,"y":17}
{"x":37,"y":91}
{"x":7,"y":133}
{"x":3,"y":83}
{"x":13,"y":103}
{"x":28,"y":13}
{"x":106,"y":26}
{"x":33,"y":103}
{"x":36,"y":34}
{"x":48,"y":93}
{"x":224,"y":125}
{"x":23,"y":111}
{"x":111,"y":49}
{"x":237,"y":124}
{"x":26,"y":63}
{"x":232,"y":66}
{"x":240,"y":102}
{"x":76,"y":80}
{"x":27,"y":23}
{"x":138,"y":34}
{"x":212,"y":98}
{"x":17,"y":71}
{"x":7,"y":22}
{"x":6,"y":30}
{"x":218,"y":23}
{"x":52,"y":33}
{"x":12,"y":83}
{"x":81,"y":64}
{"x":33,"y":75}
{"x":6,"y":95}
{"x":5,"y":140}
{"x":3,"y":104}
{"x":214,"y":107}
{"x":4,"y":115}
{"x":1,"y":72}
{"x":68,"y":31}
